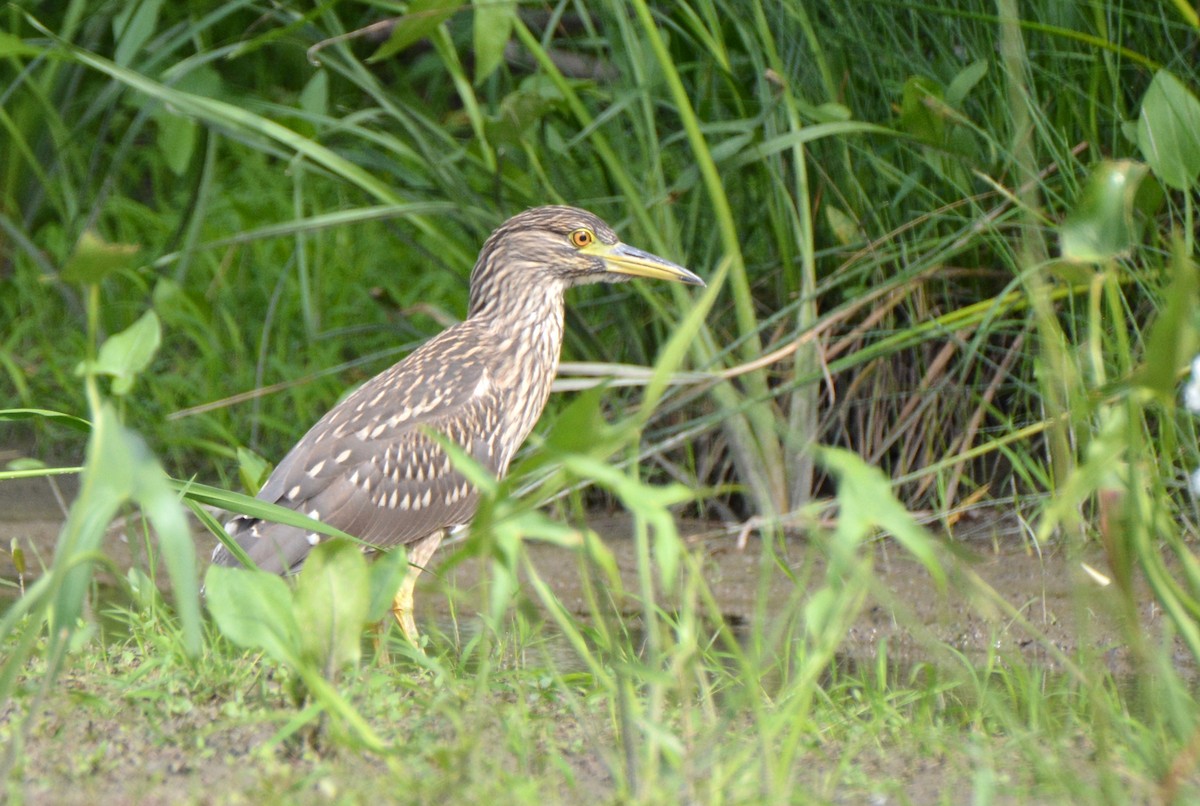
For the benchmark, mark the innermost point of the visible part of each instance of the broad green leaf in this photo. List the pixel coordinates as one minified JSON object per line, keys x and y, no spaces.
{"x":253,"y":470}
{"x":126,"y":354}
{"x":919,"y":102}
{"x":142,"y":589}
{"x":581,"y":427}
{"x":503,"y":584}
{"x":133,"y":26}
{"x":668,"y":550}
{"x":253,"y":609}
{"x":1105,"y":449}
{"x":387,"y":572}
{"x":603,"y":558}
{"x":648,"y":502}
{"x":820,"y":609}
{"x":105,"y":485}
{"x":161,"y":505}
{"x":830,"y":112}
{"x":528,"y":105}
{"x":1173,"y":338}
{"x":314,"y":98}
{"x":1168,"y":131}
{"x":423,"y":17}
{"x":69,"y":420}
{"x":492,"y":27}
{"x":962,"y":84}
{"x":176,"y":140}
{"x":332,"y":604}
{"x":845,"y":229}
{"x":12,"y":45}
{"x":177,"y":130}
{"x":120,"y":468}
{"x":866,"y":502}
{"x":1101,"y":227}
{"x":94,"y":259}
{"x":536,"y":525}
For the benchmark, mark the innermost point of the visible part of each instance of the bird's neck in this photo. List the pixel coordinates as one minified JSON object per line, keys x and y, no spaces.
{"x":528,"y":340}
{"x":528,"y":325}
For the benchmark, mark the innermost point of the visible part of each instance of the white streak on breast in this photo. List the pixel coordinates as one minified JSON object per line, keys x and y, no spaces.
{"x":483,"y":386}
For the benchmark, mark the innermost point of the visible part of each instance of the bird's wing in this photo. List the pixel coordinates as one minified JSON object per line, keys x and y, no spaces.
{"x":372,"y":469}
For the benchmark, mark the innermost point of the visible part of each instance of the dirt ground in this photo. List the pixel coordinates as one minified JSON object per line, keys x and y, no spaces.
{"x":1048,"y":585}
{"x":1050,"y":588}
{"x":910,"y":612}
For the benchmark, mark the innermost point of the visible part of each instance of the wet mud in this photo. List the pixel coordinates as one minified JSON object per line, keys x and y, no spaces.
{"x":1055,"y":604}
{"x":1004,"y":596}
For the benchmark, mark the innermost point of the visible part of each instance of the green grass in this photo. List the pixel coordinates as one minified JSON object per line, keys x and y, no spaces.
{"x":525,"y":727}
{"x":919,"y":253}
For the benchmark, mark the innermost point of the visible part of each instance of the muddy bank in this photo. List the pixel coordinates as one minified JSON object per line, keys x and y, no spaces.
{"x":154,"y":740}
{"x":1060,"y":603}
{"x":1048,"y":585}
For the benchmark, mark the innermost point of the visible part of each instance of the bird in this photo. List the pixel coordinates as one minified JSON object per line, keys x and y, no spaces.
{"x":372,"y":467}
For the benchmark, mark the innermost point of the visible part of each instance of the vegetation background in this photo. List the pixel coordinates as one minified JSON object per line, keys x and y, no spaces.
{"x":956,"y":241}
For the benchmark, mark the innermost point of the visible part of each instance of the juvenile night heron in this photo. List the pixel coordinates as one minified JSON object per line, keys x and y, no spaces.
{"x":369,"y":466}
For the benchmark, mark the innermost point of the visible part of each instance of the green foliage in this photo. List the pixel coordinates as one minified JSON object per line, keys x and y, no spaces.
{"x":253,"y":609}
{"x":253,"y":470}
{"x":93,"y":259}
{"x":1174,"y":336}
{"x":319,"y":625}
{"x":316,"y":630}
{"x":422,"y":20}
{"x":127,"y":354}
{"x":867,"y":503}
{"x":872,"y":191}
{"x":491,"y":28}
{"x":332,"y":599}
{"x":1101,"y":226}
{"x":1168,"y":131}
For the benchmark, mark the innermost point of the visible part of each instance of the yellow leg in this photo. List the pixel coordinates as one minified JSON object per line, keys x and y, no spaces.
{"x":419,"y":554}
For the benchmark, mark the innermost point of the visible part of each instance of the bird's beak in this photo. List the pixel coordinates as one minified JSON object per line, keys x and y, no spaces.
{"x":623,"y":259}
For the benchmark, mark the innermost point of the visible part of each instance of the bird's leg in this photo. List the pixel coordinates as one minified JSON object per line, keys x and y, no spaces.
{"x":419,"y":554}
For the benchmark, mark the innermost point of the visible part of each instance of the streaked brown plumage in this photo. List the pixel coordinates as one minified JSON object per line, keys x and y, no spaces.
{"x":368,"y":466}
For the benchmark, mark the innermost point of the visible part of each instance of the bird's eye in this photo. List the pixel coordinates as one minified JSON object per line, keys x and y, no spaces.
{"x":582,"y":237}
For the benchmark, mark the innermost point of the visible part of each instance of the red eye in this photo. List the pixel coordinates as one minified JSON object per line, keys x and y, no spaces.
{"x":582,"y":237}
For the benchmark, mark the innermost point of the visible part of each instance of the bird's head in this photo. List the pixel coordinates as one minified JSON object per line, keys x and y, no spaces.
{"x":560,"y":247}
